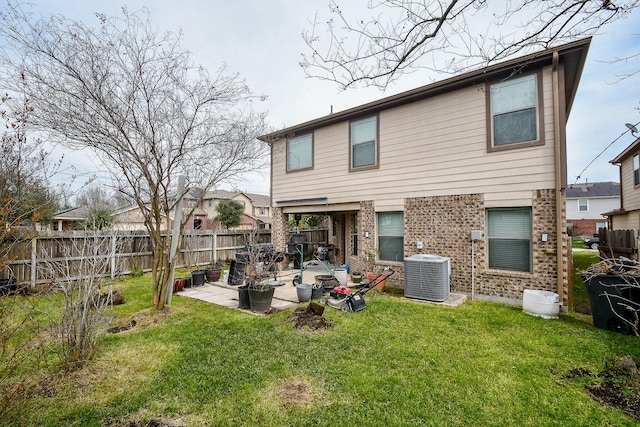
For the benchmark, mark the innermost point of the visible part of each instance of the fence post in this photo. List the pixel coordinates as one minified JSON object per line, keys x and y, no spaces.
{"x":214,"y":246}
{"x":34,"y":253}
{"x":113,"y":256}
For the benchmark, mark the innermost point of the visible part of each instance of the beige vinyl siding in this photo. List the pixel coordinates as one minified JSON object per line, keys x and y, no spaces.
{"x":433,"y":147}
{"x":630,"y":221}
{"x":630,"y":194}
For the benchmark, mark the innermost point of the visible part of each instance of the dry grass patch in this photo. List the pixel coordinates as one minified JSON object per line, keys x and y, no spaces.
{"x":290,"y":393}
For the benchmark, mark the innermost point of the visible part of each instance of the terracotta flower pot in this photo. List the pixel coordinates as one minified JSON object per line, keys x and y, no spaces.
{"x":380,"y":283}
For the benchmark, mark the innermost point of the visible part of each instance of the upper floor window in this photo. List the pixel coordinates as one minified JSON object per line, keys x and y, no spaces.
{"x":636,"y":169}
{"x":300,"y":152}
{"x":583,"y":205}
{"x":192,"y":203}
{"x":364,"y":142}
{"x":515,"y":112}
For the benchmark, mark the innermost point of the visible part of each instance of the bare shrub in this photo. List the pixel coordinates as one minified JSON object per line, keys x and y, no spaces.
{"x":83,"y":278}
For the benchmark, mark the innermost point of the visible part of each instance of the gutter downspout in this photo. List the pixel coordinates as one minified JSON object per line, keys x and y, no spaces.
{"x":558,"y":177}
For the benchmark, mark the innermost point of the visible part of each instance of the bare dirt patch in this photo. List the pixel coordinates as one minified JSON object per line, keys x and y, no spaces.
{"x":618,"y":386}
{"x":309,"y":317}
{"x":142,"y":319}
{"x":294,"y":392}
{"x":158,"y":422}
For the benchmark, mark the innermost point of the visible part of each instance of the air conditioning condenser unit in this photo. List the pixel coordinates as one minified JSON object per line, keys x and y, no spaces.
{"x":426,"y":277}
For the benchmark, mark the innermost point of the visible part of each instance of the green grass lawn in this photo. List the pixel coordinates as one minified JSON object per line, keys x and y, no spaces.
{"x":581,"y":261}
{"x":397,"y":363}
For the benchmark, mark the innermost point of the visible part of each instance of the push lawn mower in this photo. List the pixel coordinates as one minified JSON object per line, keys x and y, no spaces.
{"x":342,"y":297}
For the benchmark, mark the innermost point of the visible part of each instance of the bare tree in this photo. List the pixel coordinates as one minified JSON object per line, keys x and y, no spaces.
{"x":26,"y":197}
{"x":448,"y":36}
{"x":131,"y":93}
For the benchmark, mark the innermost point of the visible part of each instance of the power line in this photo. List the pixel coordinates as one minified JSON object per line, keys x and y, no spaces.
{"x":630,"y":129}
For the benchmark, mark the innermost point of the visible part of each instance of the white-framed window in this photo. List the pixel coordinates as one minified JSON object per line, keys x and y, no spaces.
{"x":583,"y":205}
{"x":601,"y":224}
{"x":636,"y":169}
{"x":192,"y":203}
{"x":364,"y":143}
{"x":391,"y":236}
{"x":514,"y":109}
{"x":300,"y":152}
{"x":509,"y":234}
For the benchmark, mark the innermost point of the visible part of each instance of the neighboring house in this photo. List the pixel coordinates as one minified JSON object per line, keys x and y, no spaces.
{"x":69,"y":219}
{"x":129,"y":219}
{"x":628,"y":215}
{"x":586,"y":204}
{"x":416,"y":172}
{"x":257,"y":208}
{"x":257,"y":212}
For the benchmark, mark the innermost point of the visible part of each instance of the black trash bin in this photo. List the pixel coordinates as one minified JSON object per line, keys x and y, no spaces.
{"x":610,"y":294}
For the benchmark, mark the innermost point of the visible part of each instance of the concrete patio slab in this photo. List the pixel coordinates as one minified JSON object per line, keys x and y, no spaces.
{"x":285,"y":296}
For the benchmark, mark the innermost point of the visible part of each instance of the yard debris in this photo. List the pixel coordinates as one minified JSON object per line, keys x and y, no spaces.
{"x":122,"y":328}
{"x":618,"y":386}
{"x":311,"y":317}
{"x":616,"y":266}
{"x":105,"y":298}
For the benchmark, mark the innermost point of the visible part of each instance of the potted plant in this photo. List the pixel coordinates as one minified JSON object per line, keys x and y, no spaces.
{"x":260,"y":292}
{"x":369,"y":259}
{"x":212,"y":273}
{"x":356,"y":277}
{"x":260,"y":276}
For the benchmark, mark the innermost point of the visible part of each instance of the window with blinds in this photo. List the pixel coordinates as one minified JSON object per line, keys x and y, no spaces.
{"x":364,"y":134}
{"x":391,"y":236}
{"x":509,"y":235}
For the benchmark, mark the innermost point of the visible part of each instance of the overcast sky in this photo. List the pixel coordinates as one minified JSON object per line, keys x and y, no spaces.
{"x":261,"y":39}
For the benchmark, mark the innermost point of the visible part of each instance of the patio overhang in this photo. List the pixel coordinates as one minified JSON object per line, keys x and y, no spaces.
{"x":315,"y":205}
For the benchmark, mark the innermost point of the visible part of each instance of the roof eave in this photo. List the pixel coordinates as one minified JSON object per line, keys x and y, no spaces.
{"x":573,"y":56}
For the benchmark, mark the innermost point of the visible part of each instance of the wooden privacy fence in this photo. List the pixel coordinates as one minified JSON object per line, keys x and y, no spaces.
{"x":617,"y":243}
{"x":123,"y":252}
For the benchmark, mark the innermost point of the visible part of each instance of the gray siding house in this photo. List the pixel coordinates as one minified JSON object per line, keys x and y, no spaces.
{"x":586,"y":205}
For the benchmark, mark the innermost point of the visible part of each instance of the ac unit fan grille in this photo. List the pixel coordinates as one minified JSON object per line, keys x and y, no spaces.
{"x":427,"y":277}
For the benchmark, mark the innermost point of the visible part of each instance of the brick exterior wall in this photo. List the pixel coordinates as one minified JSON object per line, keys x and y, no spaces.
{"x":443,"y":224}
{"x":584,"y":227}
{"x":280,"y":229}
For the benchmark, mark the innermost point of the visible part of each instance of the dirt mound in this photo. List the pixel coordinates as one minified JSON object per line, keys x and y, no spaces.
{"x":310,"y":317}
{"x":122,"y":328}
{"x":617,"y":386}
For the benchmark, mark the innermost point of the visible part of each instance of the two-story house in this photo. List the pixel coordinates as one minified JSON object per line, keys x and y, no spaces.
{"x":256,"y":214}
{"x":418,"y":171}
{"x":628,"y":216}
{"x":586,"y":204}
